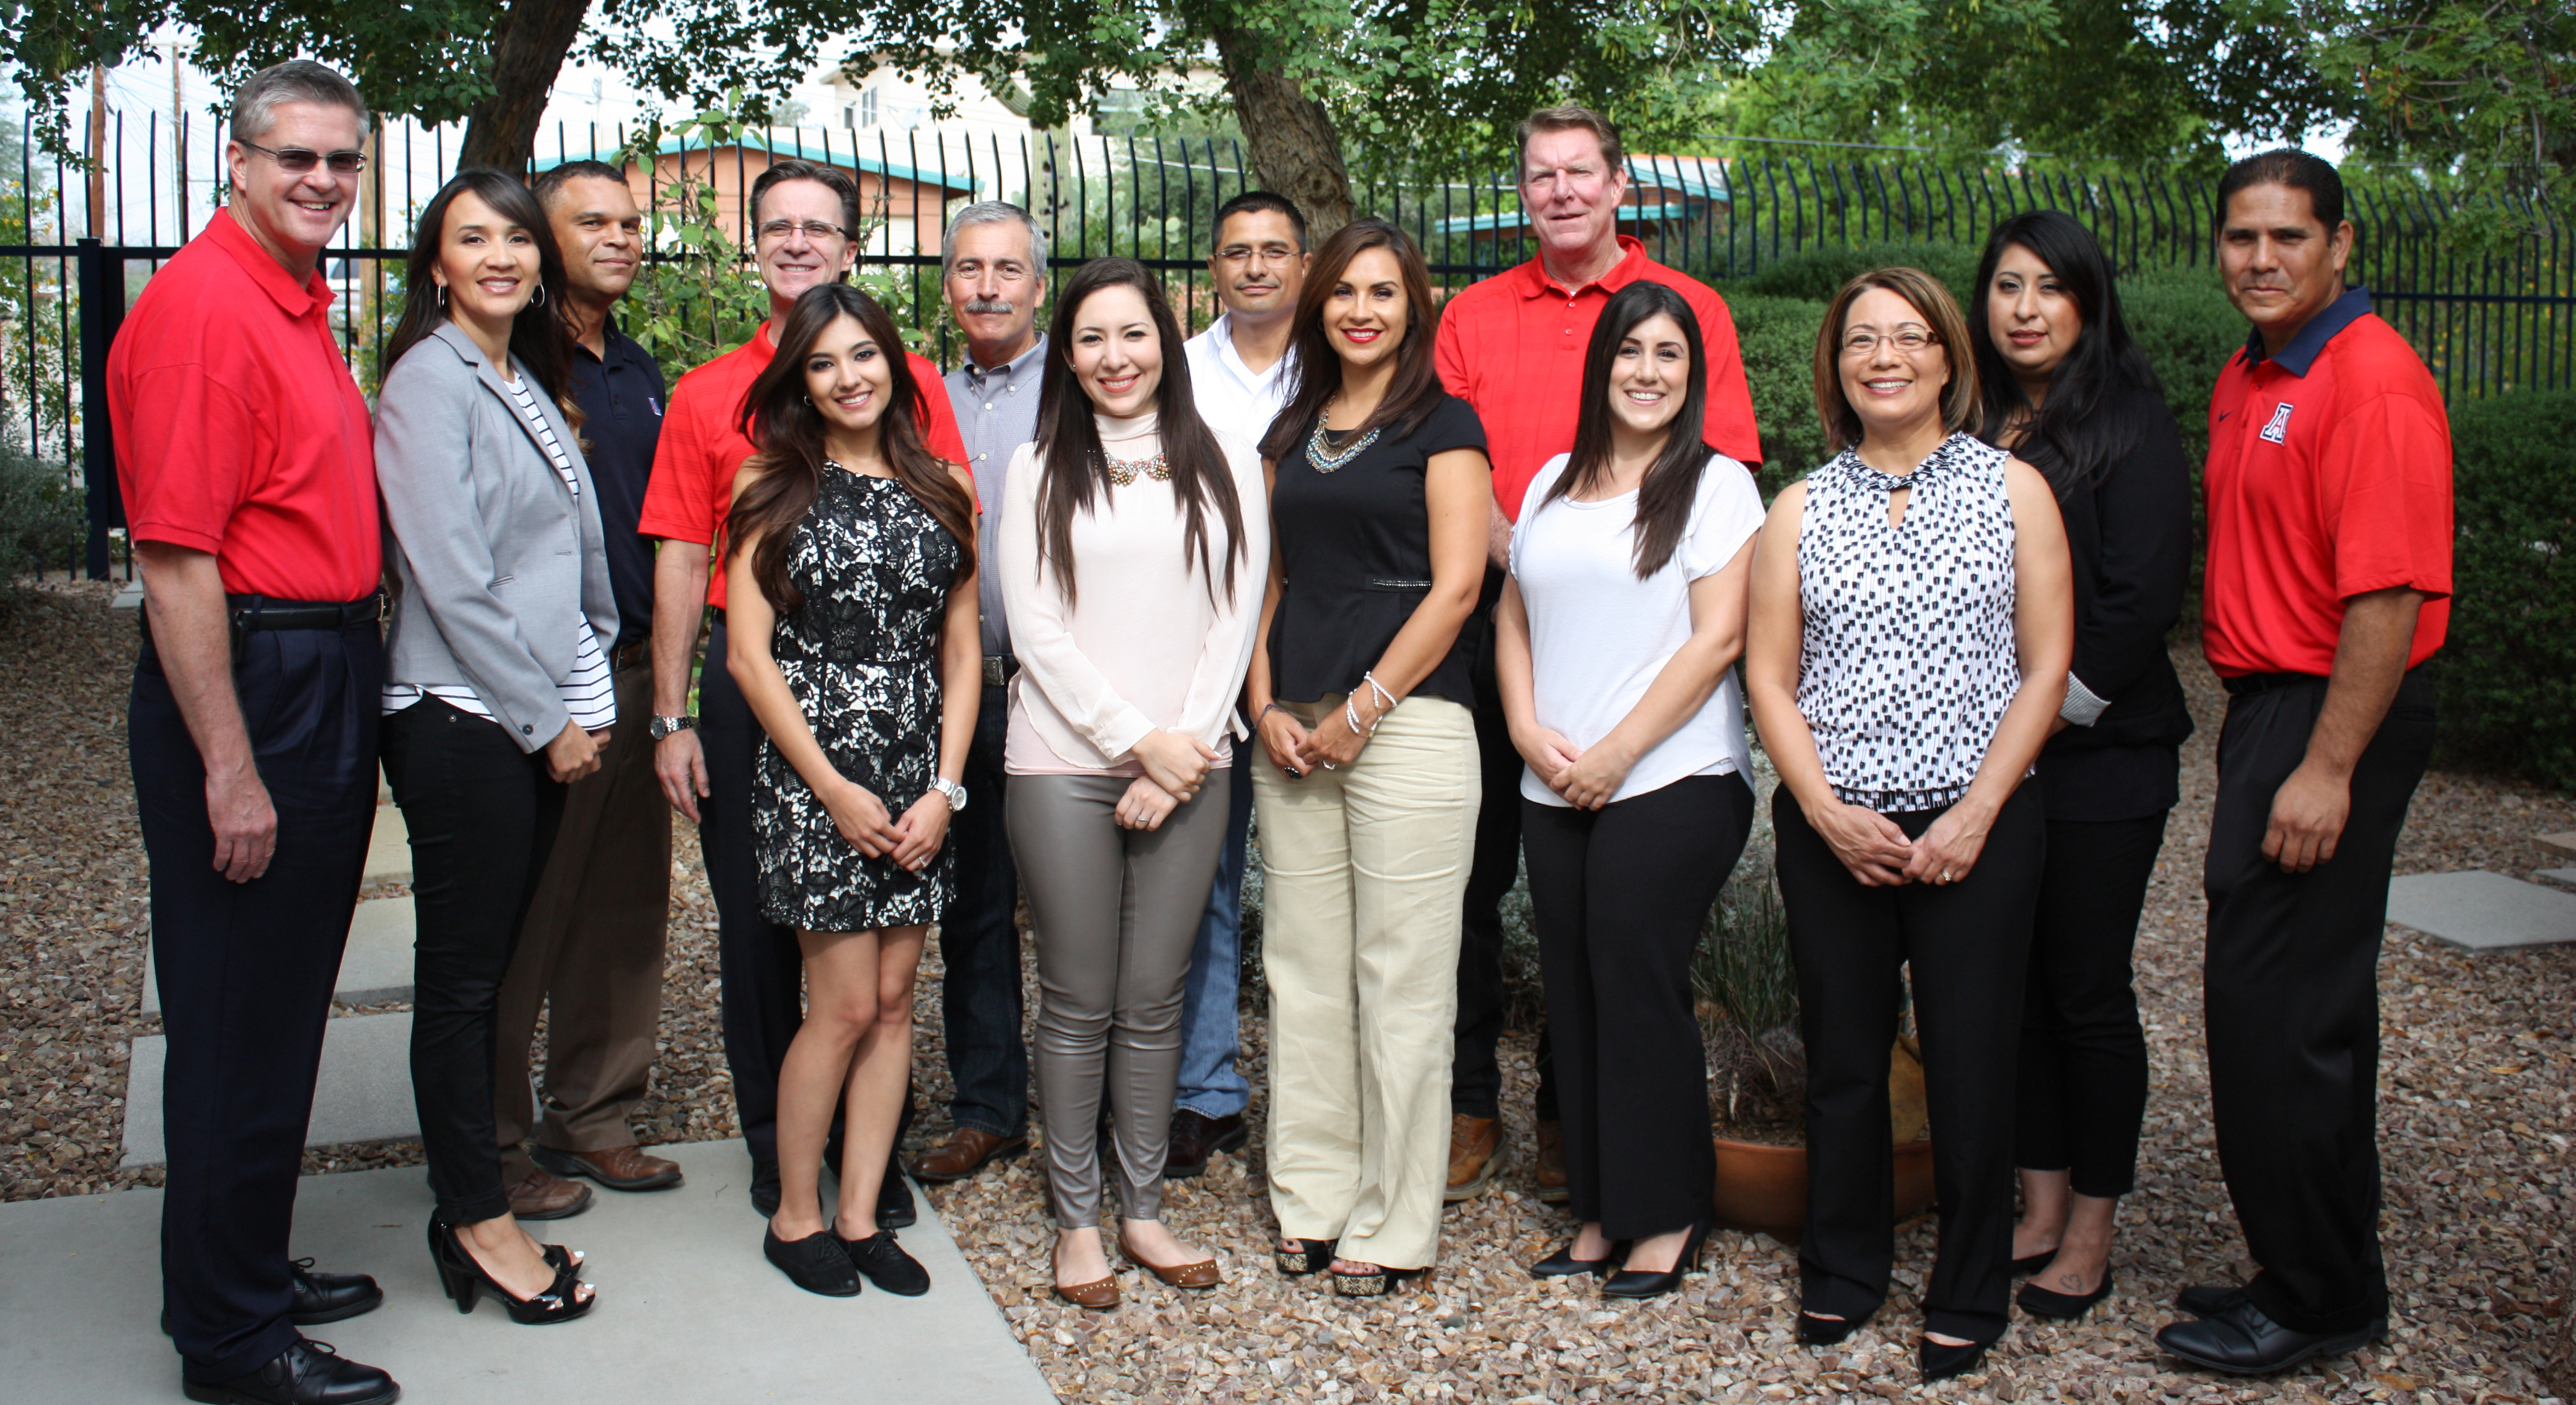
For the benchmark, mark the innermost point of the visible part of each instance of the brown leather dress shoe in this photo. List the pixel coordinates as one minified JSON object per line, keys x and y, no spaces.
{"x":964,"y":1153}
{"x":1475,"y":1155}
{"x":1196,"y":1137}
{"x":540,"y":1196}
{"x":1550,"y":1174}
{"x":618,"y":1168}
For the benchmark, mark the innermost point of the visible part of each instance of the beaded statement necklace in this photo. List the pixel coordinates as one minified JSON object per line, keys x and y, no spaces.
{"x":1123,"y":471}
{"x":1319,"y":450}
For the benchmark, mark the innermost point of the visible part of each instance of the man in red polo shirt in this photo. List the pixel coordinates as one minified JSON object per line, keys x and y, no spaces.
{"x":2329,"y":583}
{"x":803,"y":217}
{"x":1512,"y":347}
{"x":248,"y":472}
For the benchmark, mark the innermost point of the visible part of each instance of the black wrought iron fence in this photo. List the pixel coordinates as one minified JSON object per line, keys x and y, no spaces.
{"x":74,"y":249}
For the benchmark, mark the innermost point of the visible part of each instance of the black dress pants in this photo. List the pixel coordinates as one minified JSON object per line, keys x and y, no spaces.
{"x":482,"y":815}
{"x":246,"y":971}
{"x":2083,"y":1087}
{"x":1475,"y":1072}
{"x":1621,"y":895}
{"x":1968,"y":945}
{"x":2292,"y":997}
{"x":761,"y":967}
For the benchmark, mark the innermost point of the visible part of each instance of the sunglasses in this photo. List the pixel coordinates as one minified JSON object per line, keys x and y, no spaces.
{"x":297,"y":160}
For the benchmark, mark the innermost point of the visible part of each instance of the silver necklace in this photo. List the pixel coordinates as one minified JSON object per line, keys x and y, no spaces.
{"x":1319,"y":450}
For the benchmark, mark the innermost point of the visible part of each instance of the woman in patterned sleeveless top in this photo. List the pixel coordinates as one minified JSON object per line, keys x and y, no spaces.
{"x":1912,"y":623}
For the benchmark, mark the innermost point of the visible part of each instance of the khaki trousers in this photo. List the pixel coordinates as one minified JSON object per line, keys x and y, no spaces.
{"x":590,"y":952}
{"x":1364,"y":878}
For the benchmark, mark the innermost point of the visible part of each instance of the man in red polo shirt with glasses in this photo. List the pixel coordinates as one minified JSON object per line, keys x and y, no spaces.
{"x":248,"y":471}
{"x":804,"y":220}
{"x":1512,"y":347}
{"x":2329,"y":585}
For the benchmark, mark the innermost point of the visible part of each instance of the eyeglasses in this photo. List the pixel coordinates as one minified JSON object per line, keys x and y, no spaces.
{"x":1247,"y":253}
{"x":300,"y":160}
{"x":1907,"y":340}
{"x":815,"y":230}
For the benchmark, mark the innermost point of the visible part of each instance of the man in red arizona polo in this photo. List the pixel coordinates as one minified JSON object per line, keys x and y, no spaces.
{"x":2329,"y":583}
{"x":248,"y":472}
{"x":803,"y":217}
{"x":1512,"y":347}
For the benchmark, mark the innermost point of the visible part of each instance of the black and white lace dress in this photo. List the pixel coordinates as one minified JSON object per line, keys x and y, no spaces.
{"x":862,"y":657}
{"x":1908,"y":658}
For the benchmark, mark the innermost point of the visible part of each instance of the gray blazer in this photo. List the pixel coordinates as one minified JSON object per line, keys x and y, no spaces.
{"x":494,"y":565}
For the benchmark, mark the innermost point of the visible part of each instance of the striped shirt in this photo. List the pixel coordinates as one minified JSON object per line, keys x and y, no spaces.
{"x":590,"y":694}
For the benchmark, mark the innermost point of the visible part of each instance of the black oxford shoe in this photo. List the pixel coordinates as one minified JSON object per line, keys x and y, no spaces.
{"x":321,"y":1297}
{"x":895,"y":1209}
{"x":764,"y":1188}
{"x":2208,"y":1299}
{"x":307,"y":1373}
{"x":2241,"y":1341}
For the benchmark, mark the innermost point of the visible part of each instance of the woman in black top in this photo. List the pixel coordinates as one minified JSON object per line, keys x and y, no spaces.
{"x":1379,"y":498}
{"x":2067,"y":391}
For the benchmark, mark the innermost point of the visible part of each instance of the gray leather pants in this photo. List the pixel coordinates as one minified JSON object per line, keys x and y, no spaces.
{"x":1115,"y":912}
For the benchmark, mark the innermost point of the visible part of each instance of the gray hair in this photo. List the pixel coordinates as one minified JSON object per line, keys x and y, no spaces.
{"x":994,"y":212}
{"x":255,"y":104}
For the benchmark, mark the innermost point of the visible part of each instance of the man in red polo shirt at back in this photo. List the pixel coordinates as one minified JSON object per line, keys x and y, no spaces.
{"x":2329,"y":585}
{"x":249,"y":477}
{"x":1512,"y":347}
{"x":804,"y":216}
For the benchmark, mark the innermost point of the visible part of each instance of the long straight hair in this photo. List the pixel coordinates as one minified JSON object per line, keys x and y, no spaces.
{"x":2092,"y":417}
{"x":1073,"y":467}
{"x":1671,"y":484}
{"x":782,"y":423}
{"x":1412,"y":395}
{"x":539,"y":337}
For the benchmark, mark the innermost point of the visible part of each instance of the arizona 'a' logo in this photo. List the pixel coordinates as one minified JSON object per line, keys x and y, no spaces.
{"x":2278,"y":431}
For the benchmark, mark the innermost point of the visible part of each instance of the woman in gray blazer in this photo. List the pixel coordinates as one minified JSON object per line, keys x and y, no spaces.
{"x":498,"y":689}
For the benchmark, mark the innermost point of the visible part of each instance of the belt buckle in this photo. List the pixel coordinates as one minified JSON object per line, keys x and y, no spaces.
{"x":993,"y":675}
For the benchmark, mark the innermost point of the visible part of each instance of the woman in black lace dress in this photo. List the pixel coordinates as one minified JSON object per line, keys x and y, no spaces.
{"x":852,"y":621}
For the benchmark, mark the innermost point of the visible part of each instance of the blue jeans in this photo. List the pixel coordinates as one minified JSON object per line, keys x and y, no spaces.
{"x":987,"y":1060}
{"x":1210,"y":1085}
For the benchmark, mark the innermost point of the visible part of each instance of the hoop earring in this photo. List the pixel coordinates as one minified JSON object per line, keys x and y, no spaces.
{"x":442,"y":297}
{"x":809,"y":401}
{"x":540,"y":299}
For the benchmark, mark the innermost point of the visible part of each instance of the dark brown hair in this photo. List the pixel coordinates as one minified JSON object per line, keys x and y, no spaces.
{"x":779,"y":418}
{"x":1073,"y":466}
{"x":1412,"y":395}
{"x":538,"y":338}
{"x":1671,"y":484}
{"x":1959,"y":403}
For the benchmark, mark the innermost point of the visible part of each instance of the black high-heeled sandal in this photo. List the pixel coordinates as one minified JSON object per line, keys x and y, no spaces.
{"x":464,"y":1280}
{"x":1310,"y":1256}
{"x":1641,"y":1283}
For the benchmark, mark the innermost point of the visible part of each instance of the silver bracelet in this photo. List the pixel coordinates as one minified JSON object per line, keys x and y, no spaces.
{"x":1351,"y":715}
{"x":1386,"y":700}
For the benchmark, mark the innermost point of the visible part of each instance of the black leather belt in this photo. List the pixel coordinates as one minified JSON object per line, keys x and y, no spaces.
{"x":998,"y":669}
{"x":2252,"y":683}
{"x":253,"y":613}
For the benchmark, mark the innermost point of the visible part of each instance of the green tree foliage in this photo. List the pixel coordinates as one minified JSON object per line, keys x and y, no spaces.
{"x":2506,"y":677}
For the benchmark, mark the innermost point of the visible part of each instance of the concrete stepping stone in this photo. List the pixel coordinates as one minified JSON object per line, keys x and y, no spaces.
{"x":2482,"y":911}
{"x":375,"y":968}
{"x":2563,"y":877}
{"x":2564,"y":843}
{"x":364,"y":1094}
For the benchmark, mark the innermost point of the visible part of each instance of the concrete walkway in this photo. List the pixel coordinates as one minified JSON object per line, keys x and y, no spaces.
{"x":688,"y":1310}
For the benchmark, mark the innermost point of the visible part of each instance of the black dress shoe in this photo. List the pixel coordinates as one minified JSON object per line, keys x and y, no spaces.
{"x":2241,"y":1341}
{"x":2044,"y":1302}
{"x":764,"y":1188}
{"x":887,"y":1265}
{"x":814,"y":1263}
{"x":1563,"y":1263}
{"x":306,"y":1373}
{"x":894,"y":1198}
{"x":1940,"y":1360}
{"x":1196,"y":1137}
{"x":1824,"y":1331}
{"x":2209,"y":1299}
{"x":1638,"y":1283}
{"x":330,"y":1297}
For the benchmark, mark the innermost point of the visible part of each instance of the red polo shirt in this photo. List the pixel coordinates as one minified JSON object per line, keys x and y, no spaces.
{"x":238,"y":428}
{"x":703,"y":445}
{"x":2329,"y":476}
{"x":1512,"y":348}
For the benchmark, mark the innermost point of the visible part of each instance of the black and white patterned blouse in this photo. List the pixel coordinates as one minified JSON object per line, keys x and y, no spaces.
{"x":1908,"y":659}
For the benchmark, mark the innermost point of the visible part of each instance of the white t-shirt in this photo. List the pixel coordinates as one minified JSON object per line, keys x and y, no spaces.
{"x":1232,"y":397}
{"x":1599,"y":635}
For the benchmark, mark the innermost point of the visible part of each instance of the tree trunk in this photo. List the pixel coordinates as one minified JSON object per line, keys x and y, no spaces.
{"x":528,"y":50}
{"x":1294,"y":149}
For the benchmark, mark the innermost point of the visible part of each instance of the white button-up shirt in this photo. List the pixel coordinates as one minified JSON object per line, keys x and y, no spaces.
{"x":1232,"y":397}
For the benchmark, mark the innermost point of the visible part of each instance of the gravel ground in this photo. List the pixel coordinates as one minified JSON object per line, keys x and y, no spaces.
{"x":2475,"y":1132}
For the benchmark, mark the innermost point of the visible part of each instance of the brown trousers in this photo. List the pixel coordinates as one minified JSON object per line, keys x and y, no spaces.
{"x":591,"y":953}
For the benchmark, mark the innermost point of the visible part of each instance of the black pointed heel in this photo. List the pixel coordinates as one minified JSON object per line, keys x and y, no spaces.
{"x":1824,"y":1331}
{"x":1940,"y":1360}
{"x":1563,"y":1263}
{"x":465,"y":1280}
{"x":1638,"y":1283}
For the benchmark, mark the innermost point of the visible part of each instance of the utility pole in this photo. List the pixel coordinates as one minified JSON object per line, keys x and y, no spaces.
{"x":178,"y":139}
{"x":98,"y":151}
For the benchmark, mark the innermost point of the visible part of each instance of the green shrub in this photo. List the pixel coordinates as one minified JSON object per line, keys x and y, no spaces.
{"x":1777,"y":337}
{"x":2506,"y":679}
{"x":1817,"y":274}
{"x":43,"y":518}
{"x":2184,"y":323}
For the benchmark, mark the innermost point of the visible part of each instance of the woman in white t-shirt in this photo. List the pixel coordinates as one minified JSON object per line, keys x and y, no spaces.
{"x":1616,"y":633}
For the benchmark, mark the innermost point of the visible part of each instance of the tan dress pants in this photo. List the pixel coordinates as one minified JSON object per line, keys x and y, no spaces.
{"x":1364,"y":873}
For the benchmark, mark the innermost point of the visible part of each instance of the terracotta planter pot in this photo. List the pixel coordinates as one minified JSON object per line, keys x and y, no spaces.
{"x":1764,"y":1188}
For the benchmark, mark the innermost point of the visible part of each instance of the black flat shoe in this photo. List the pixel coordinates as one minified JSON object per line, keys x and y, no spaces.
{"x":886,"y":1264}
{"x":1563,"y":1263}
{"x":816,"y":1263}
{"x":2065,"y":1307}
{"x":464,"y":1280}
{"x":1940,"y":1360}
{"x":764,"y":1188}
{"x":894,"y":1198}
{"x":2241,"y":1341}
{"x":306,"y":1373}
{"x":1310,"y":1256}
{"x":1638,"y":1283}
{"x":2209,"y":1299}
{"x":1824,"y":1331}
{"x":2025,"y":1267}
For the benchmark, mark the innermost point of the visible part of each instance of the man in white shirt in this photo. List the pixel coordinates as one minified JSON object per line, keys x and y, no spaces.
{"x":1238,"y":375}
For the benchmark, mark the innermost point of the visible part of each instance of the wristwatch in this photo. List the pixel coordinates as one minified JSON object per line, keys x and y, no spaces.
{"x":665,"y":726}
{"x":955,"y":792}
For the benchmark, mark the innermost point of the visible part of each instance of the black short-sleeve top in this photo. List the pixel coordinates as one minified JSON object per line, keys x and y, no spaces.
{"x":1356,"y":546}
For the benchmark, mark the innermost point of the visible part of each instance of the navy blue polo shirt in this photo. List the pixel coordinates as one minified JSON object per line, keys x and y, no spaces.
{"x":622,"y":399}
